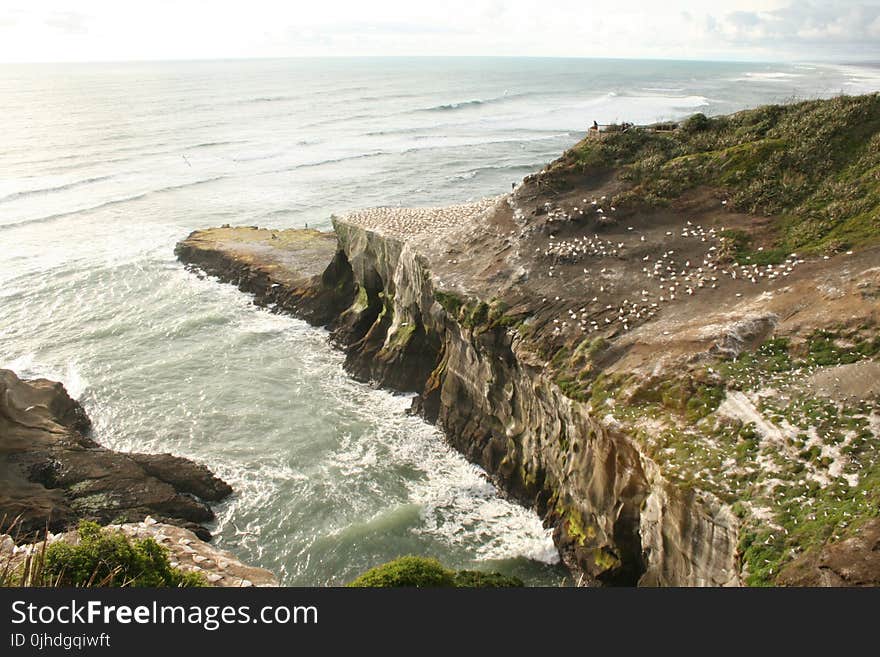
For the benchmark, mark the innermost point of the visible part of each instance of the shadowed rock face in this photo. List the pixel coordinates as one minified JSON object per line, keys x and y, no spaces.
{"x":52,"y":474}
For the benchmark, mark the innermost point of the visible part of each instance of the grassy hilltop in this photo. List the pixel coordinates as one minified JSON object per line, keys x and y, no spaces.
{"x":815,"y":165}
{"x":801,"y":178}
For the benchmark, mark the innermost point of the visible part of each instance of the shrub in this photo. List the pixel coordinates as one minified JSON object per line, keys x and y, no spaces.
{"x":480,"y":580}
{"x":110,"y":558}
{"x":696,"y":123}
{"x":407,"y":572}
{"x":422,"y":572}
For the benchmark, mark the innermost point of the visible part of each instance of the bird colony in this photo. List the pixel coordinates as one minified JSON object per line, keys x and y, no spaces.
{"x":409,"y":223}
{"x":667,"y":277}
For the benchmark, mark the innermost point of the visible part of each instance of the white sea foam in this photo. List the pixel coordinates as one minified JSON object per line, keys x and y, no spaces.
{"x":763,"y":76}
{"x":28,"y":366}
{"x":860,"y":79}
{"x":455,"y":497}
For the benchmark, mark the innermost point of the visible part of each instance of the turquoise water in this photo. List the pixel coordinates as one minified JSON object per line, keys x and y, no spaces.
{"x":103,"y":168}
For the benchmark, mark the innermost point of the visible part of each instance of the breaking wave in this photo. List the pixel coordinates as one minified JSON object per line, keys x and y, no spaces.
{"x":49,"y":190}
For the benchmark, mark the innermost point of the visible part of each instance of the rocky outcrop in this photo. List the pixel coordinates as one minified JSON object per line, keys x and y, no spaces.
{"x":186,"y":551}
{"x":287,"y":270}
{"x":851,"y":562}
{"x":52,"y":474}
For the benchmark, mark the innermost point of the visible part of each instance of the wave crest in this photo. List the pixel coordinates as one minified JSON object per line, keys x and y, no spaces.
{"x":49,"y":190}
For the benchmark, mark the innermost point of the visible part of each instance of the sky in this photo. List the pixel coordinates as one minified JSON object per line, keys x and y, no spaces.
{"x":121,"y":30}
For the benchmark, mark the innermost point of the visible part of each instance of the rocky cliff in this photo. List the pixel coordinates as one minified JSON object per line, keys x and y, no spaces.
{"x":633,"y":342}
{"x":617,"y":520}
{"x":52,"y":474}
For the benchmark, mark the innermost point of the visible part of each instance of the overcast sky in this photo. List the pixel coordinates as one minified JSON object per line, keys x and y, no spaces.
{"x":88,"y":30}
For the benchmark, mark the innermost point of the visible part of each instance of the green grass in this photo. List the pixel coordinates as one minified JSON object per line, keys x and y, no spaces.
{"x":833,"y":514}
{"x":825,"y":349}
{"x":739,"y":245}
{"x":815,"y":165}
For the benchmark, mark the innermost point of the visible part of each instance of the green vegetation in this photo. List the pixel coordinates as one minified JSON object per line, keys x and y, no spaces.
{"x":422,"y":572}
{"x":814,"y":164}
{"x":824,"y":349}
{"x":575,"y":526}
{"x":498,"y":316}
{"x":102,"y":557}
{"x":751,"y":369}
{"x":738,"y":243}
{"x":403,"y":335}
{"x":808,"y":517}
{"x":407,"y":572}
{"x":451,"y":303}
{"x":476,"y":314}
{"x":362,"y":300}
{"x":474,"y":579}
{"x":812,"y":478}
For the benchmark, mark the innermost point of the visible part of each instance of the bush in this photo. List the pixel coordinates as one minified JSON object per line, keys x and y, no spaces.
{"x":696,"y":123}
{"x":110,"y":558}
{"x":422,"y":572}
{"x":478,"y":580}
{"x":407,"y":572}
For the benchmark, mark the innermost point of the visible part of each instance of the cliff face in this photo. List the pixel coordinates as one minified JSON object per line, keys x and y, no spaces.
{"x":616,"y":519}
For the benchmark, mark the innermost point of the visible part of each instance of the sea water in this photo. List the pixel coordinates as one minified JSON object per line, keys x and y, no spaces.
{"x":104,"y":167}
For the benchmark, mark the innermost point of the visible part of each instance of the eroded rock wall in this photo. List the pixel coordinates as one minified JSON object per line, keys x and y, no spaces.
{"x":616,"y":520}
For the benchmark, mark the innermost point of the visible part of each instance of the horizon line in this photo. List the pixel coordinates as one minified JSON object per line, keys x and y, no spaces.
{"x":170,"y":60}
{"x":867,"y":62}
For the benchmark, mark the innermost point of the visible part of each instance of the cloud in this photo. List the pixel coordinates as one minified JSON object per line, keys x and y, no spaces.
{"x":679,"y":29}
{"x":68,"y":22}
{"x":804,"y":26}
{"x":10,"y":18}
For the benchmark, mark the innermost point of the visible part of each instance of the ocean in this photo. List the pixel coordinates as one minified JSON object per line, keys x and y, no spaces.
{"x":104,"y":167}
